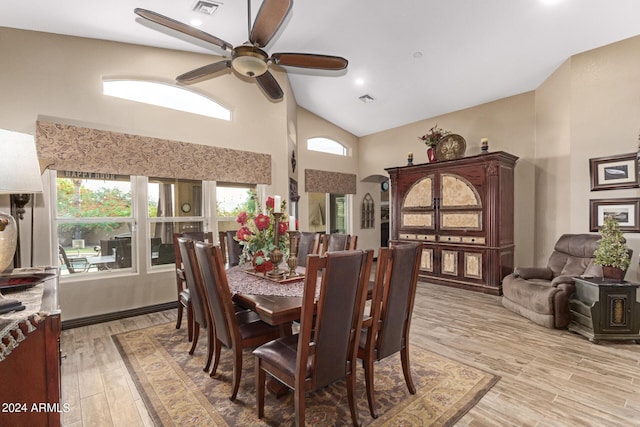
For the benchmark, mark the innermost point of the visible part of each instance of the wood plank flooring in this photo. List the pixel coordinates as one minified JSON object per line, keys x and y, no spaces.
{"x":549,"y":377}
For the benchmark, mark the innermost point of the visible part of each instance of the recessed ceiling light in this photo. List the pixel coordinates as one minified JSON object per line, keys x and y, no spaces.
{"x":366,"y":99}
{"x":359,"y":81}
{"x":195,"y":22}
{"x":206,"y":7}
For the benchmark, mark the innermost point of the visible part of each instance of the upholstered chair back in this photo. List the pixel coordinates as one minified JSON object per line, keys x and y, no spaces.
{"x":573,"y":255}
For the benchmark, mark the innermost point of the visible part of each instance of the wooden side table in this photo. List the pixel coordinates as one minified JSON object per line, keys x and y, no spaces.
{"x":605,"y":309}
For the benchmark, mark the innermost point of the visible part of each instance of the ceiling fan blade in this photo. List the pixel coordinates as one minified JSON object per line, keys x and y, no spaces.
{"x":270,"y":86}
{"x":270,"y":17}
{"x":182,"y":28}
{"x":207,"y":71}
{"x":310,"y":60}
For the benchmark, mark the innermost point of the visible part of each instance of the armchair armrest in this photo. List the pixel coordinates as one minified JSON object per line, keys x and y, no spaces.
{"x":533,"y":273}
{"x":562,"y":279}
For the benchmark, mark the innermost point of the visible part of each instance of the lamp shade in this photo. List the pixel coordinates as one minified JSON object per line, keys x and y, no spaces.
{"x":19,"y":164}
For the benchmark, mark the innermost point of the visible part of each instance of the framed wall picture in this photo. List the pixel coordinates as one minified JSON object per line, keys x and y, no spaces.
{"x":626,"y":211}
{"x":608,"y":173}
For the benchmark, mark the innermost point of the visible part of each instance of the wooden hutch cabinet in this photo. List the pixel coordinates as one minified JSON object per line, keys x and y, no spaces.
{"x":30,"y":374}
{"x":462,"y":210}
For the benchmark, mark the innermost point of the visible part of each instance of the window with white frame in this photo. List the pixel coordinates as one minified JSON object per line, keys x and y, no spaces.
{"x":174,"y":206}
{"x":94,"y":222}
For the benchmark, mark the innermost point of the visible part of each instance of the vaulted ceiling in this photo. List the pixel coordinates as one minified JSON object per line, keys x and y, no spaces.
{"x":415,"y":58}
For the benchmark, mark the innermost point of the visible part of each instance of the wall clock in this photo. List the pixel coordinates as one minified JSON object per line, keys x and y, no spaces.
{"x":186,"y":207}
{"x":385,"y":185}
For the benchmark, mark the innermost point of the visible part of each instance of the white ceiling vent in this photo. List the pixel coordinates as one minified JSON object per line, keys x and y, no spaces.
{"x":206,"y":7}
{"x":366,"y":98}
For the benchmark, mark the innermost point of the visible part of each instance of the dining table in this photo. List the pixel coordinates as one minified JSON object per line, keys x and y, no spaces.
{"x":277,"y":303}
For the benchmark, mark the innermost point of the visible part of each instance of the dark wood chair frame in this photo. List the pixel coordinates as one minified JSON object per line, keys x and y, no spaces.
{"x":184,"y":299}
{"x":386,"y":331}
{"x":233,"y":328}
{"x":326,"y":334}
{"x":338,"y":242}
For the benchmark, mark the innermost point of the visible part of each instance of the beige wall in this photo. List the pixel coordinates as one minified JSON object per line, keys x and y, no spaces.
{"x":589,"y":107}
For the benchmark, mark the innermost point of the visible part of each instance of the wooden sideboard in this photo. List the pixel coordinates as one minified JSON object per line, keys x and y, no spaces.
{"x":30,"y":392}
{"x":462,"y":210}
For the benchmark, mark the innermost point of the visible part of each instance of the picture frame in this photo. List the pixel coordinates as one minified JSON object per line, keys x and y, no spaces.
{"x":614,"y":172}
{"x":626,"y":211}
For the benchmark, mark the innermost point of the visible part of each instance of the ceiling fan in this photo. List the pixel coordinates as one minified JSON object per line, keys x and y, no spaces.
{"x":249,"y":59}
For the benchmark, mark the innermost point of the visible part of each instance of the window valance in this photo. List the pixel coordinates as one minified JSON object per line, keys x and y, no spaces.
{"x":67,"y":147}
{"x":318,"y":181}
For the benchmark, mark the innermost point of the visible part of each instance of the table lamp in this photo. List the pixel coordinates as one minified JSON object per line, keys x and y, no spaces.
{"x":20,"y":178}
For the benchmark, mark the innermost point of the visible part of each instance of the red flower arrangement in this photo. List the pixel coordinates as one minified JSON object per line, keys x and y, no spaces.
{"x":256,"y":234}
{"x":434,"y":135}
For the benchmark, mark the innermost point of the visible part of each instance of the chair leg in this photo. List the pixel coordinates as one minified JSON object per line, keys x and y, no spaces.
{"x":351,"y":392}
{"x":179,"y":320}
{"x":260,"y":386}
{"x":298,"y":400}
{"x":368,"y":379}
{"x":216,"y":358}
{"x":196,"y":334}
{"x":237,"y":372}
{"x":211,"y":342}
{"x":406,"y":369}
{"x":190,"y":322}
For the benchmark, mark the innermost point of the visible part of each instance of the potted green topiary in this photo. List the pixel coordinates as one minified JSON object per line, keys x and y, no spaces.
{"x":612,"y":252}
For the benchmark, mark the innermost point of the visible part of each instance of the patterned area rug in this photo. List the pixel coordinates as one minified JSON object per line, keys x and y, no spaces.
{"x":177,"y":392}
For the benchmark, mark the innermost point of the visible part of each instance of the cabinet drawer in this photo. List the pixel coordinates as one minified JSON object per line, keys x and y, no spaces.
{"x":474,"y":240}
{"x":420,"y":237}
{"x":451,"y":239}
{"x":580,"y":307}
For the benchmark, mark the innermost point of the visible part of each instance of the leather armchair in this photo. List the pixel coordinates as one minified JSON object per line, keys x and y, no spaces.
{"x":542,"y":294}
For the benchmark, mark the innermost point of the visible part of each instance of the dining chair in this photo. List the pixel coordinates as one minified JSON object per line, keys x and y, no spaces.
{"x":184,"y":299}
{"x":231,"y":248}
{"x":308,"y":243}
{"x":232,"y":329}
{"x":387,"y":330}
{"x":325,"y":349}
{"x":73,"y":265}
{"x":189,"y":266}
{"x":339,"y":242}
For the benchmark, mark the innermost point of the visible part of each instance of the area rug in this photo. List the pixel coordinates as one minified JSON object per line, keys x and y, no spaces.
{"x":177,"y":392}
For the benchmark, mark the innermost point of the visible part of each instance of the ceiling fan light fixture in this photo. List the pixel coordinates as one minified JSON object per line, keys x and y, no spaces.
{"x":249,"y":61}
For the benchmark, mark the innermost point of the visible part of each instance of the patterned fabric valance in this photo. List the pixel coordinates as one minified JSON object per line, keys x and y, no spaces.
{"x":66,"y":147}
{"x":317,"y":181}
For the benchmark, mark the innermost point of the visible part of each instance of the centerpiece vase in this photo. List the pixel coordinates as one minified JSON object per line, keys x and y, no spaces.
{"x":431,"y":153}
{"x":292,"y":262}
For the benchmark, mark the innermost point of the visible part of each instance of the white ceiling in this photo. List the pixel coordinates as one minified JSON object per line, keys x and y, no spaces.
{"x":473,"y":51}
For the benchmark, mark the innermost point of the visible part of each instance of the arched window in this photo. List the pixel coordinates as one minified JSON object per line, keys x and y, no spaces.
{"x":165,"y":95}
{"x":326,"y":145}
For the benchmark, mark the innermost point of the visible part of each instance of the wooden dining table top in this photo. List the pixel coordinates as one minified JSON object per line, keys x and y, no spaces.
{"x":275,"y":303}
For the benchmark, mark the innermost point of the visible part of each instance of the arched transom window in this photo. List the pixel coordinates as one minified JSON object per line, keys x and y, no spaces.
{"x":326,"y":145}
